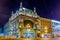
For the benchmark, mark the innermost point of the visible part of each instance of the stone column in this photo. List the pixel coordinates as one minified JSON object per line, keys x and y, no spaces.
{"x":35,"y":31}
{"x":21,"y":33}
{"x":21,"y":29}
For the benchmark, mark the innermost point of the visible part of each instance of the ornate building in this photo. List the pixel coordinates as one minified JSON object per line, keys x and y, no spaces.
{"x":26,"y":23}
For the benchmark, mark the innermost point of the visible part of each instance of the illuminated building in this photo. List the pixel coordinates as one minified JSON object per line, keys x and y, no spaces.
{"x":56,"y":28}
{"x":26,"y":23}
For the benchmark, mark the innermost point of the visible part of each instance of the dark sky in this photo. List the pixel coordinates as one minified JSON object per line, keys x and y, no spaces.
{"x":45,"y":8}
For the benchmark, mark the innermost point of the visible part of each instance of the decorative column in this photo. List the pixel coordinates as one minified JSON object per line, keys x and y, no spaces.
{"x":35,"y":30}
{"x":21,"y":28}
{"x":21,"y":32}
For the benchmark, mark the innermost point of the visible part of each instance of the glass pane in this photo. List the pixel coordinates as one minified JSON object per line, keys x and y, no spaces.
{"x":28,"y":33}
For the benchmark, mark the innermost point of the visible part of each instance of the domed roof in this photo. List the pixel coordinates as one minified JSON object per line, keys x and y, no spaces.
{"x":26,"y":9}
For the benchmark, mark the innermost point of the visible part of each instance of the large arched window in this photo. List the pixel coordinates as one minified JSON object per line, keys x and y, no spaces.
{"x":28,"y":23}
{"x":28,"y":33}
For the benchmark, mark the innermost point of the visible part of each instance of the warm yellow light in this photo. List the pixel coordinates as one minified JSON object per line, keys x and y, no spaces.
{"x":42,"y":35}
{"x":28,"y":25}
{"x":20,"y":26}
{"x":46,"y":31}
{"x":46,"y":27}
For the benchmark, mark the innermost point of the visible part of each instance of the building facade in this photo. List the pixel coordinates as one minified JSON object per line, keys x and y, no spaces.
{"x":26,"y":23}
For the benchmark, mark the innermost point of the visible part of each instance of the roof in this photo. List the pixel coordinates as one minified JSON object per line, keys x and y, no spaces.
{"x":26,"y":9}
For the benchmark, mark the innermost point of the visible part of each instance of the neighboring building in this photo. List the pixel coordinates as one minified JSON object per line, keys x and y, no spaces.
{"x":6,"y":28}
{"x":26,"y":23}
{"x":56,"y":27}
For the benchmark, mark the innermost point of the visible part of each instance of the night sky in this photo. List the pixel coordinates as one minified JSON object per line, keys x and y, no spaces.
{"x":45,"y":8}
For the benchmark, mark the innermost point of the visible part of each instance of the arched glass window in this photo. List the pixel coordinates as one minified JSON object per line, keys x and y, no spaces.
{"x":28,"y":33}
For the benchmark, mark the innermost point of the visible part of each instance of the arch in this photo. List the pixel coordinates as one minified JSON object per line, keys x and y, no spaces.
{"x":28,"y":23}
